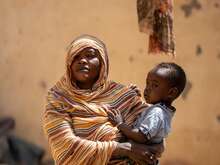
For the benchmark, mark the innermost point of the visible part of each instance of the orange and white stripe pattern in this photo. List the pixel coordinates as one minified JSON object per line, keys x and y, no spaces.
{"x":75,"y":121}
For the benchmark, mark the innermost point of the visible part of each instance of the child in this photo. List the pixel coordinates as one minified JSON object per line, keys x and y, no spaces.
{"x":164,"y":84}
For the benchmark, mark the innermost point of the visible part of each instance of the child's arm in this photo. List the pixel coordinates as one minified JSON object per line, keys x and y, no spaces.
{"x":133,"y":134}
{"x":116,"y":119}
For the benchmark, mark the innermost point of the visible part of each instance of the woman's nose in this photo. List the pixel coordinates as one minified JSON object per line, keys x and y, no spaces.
{"x":82,"y":61}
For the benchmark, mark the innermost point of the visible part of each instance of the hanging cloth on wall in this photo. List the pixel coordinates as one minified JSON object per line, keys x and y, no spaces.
{"x":155,"y":17}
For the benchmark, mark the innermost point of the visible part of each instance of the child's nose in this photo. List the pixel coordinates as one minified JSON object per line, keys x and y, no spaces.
{"x":147,"y":89}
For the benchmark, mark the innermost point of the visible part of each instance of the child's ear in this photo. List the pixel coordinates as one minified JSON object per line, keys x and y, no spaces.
{"x":173,"y":93}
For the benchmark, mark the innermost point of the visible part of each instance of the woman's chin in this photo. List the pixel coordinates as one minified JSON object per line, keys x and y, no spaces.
{"x":83,"y":77}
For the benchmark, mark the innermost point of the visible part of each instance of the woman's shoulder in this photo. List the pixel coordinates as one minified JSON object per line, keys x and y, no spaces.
{"x":114,"y":83}
{"x":52,"y":91}
{"x":129,"y":86}
{"x":130,"y":91}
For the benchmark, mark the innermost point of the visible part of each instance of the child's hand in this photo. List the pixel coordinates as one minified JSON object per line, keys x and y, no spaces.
{"x":115,"y":117}
{"x":136,"y":89}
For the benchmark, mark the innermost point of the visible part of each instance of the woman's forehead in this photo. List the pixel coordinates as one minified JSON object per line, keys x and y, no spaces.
{"x":89,"y":50}
{"x":87,"y":42}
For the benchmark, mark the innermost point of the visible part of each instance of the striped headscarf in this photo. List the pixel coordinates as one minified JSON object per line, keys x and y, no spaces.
{"x":75,"y":120}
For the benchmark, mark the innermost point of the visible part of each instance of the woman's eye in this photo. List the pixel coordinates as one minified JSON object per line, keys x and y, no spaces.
{"x":77,"y":57}
{"x":90,"y":56}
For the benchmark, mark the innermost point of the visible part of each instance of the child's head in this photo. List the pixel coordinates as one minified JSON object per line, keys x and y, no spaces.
{"x":164,"y":83}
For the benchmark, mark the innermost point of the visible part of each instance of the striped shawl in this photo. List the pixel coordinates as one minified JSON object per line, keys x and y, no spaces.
{"x":75,"y":120}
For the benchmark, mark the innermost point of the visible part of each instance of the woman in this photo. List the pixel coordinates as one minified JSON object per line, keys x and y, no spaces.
{"x":75,"y":120}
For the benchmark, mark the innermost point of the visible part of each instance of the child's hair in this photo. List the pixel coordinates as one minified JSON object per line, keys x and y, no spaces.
{"x":176,"y":76}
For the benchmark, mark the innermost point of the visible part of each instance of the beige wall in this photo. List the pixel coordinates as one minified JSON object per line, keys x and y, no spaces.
{"x":34,"y":35}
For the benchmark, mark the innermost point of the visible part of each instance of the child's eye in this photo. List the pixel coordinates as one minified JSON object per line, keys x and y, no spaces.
{"x":147,"y":83}
{"x":155,"y":85}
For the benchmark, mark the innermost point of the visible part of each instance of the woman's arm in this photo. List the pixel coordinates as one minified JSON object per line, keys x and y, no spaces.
{"x":142,"y":154}
{"x":67,"y":148}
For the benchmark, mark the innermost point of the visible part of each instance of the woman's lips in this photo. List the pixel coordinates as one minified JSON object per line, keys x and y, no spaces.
{"x":84,"y":69}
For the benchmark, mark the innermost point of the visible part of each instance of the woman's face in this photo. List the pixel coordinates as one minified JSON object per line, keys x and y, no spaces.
{"x":86,"y":67}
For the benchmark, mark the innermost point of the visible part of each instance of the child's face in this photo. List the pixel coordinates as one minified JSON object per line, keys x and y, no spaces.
{"x":157,"y":86}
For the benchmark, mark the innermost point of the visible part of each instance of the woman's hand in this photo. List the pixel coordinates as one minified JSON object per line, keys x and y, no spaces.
{"x":157,"y":149}
{"x":115,"y":117}
{"x":140,"y":153}
{"x":136,"y":89}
